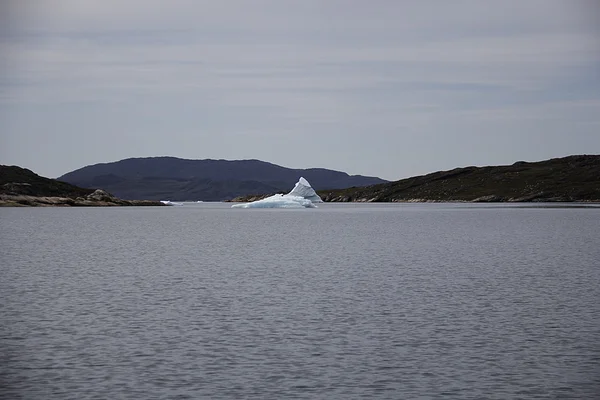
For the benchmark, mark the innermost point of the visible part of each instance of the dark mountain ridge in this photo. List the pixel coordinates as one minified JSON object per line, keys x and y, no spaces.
{"x":568,"y":179}
{"x":161,"y":178}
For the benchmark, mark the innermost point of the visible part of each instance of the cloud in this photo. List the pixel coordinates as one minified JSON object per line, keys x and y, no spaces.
{"x":333,"y":71}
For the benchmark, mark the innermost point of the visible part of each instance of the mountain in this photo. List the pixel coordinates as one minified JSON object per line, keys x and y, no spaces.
{"x":162,"y":178}
{"x":573,"y":178}
{"x":22,"y":187}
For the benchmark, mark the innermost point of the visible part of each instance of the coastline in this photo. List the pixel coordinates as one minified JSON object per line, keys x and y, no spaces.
{"x":484,"y":199}
{"x":98,"y":198}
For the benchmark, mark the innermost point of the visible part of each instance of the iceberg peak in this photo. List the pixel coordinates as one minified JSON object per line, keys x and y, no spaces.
{"x":303,"y":189}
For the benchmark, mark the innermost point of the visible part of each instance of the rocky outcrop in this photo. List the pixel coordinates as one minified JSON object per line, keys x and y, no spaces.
{"x":7,"y":200}
{"x":20,"y":187}
{"x":491,"y":198}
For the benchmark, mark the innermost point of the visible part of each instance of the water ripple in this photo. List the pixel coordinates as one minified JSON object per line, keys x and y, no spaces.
{"x":341,"y":302}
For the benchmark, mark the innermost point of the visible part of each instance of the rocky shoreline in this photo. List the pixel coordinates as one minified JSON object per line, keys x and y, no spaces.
{"x":98,"y":198}
{"x":20,"y":187}
{"x":483,"y":199}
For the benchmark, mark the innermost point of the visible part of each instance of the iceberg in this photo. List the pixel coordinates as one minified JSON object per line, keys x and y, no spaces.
{"x":278,"y":201}
{"x":301,"y":196}
{"x":170,"y":203}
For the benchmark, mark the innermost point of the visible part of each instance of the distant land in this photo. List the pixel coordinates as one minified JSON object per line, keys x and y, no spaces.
{"x":176,"y":179}
{"x":567,"y":179}
{"x":22,"y":187}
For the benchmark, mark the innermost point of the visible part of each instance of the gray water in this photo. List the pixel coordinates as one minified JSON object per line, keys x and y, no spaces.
{"x":345,"y":301}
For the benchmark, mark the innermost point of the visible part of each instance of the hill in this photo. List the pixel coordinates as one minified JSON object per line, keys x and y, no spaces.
{"x":20,"y":186}
{"x":170,"y":178}
{"x":573,"y":178}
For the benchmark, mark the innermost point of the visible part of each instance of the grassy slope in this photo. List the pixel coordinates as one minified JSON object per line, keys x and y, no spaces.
{"x":573,"y":178}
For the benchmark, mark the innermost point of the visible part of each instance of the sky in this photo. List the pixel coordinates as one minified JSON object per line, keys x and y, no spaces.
{"x":382,"y":88}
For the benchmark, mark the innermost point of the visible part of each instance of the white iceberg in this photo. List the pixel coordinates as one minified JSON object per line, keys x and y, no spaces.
{"x":278,"y":201}
{"x":170,"y":203}
{"x":302,"y":196}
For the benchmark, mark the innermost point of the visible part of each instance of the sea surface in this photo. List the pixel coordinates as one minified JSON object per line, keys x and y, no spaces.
{"x":346,"y":301}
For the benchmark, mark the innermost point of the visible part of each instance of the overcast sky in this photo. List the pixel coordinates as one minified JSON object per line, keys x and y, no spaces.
{"x":387,"y":88}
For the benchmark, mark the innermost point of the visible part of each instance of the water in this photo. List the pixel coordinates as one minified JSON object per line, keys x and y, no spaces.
{"x":341,"y":302}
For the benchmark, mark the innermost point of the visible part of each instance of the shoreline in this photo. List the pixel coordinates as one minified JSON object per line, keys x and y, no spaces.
{"x":96,"y":199}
